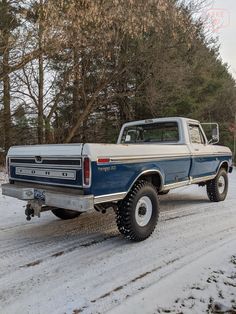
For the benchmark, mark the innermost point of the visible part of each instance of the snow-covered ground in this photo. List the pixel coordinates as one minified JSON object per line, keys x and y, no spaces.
{"x":85,"y":266}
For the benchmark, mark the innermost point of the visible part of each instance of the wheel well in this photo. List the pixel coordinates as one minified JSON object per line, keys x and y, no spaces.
{"x":154,"y":178}
{"x":225,"y":166}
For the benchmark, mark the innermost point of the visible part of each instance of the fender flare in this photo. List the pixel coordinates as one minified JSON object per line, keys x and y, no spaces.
{"x":147,"y":172}
{"x":220,"y":165}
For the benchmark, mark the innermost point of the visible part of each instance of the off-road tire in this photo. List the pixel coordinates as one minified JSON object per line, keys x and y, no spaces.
{"x":126,"y":218}
{"x":213,"y":187}
{"x":65,"y":214}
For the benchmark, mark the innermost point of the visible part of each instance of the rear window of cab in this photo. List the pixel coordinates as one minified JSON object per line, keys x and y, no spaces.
{"x":161,"y":132}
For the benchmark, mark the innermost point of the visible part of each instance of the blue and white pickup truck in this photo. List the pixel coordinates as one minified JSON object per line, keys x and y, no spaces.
{"x":151,"y":157}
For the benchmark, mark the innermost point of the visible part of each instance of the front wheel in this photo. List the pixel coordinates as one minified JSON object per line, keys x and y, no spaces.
{"x":65,"y":214}
{"x":137,"y":214}
{"x":217,"y":188}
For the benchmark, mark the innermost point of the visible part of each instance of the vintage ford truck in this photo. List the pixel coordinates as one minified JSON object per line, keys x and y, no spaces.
{"x":150,"y":158}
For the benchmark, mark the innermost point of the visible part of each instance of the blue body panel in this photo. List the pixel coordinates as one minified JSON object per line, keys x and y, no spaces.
{"x":206,"y":165}
{"x":116,"y":178}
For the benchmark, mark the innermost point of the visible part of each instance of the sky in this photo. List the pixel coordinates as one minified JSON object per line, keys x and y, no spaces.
{"x":223,"y":20}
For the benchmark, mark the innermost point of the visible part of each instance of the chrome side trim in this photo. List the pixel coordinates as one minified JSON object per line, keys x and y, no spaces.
{"x":132,"y":159}
{"x":145,"y":158}
{"x":188,"y":182}
{"x":203,"y":179}
{"x":109,"y":197}
{"x":176,"y":185}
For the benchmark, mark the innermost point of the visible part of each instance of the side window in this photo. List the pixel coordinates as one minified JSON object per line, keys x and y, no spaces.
{"x":196,"y":135}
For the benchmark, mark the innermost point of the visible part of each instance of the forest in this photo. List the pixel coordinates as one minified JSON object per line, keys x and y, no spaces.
{"x":76,"y":70}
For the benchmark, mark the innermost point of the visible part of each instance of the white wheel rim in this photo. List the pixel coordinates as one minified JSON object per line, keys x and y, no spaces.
{"x":143,"y":211}
{"x":221,"y":184}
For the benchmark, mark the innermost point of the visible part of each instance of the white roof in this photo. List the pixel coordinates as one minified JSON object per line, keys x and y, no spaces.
{"x":177,"y":119}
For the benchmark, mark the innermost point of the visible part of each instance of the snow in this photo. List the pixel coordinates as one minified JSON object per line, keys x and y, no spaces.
{"x":85,"y":266}
{"x":203,"y":280}
{"x":3,"y":176}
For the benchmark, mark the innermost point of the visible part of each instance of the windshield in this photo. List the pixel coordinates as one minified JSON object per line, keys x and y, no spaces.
{"x":163,"y":132}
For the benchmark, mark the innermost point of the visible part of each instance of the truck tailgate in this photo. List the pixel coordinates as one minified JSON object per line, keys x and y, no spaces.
{"x":47,"y":164}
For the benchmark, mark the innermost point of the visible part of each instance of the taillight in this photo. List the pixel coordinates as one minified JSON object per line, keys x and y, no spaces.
{"x":87,"y":171}
{"x":103,"y":160}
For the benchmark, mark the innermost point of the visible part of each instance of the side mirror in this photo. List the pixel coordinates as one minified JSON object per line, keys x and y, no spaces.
{"x":215,"y":135}
{"x":212,"y":132}
{"x":127,"y":138}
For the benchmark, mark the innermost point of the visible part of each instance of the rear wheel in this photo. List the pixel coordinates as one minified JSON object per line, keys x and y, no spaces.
{"x":138,"y":213}
{"x":217,"y":188}
{"x":65,"y":214}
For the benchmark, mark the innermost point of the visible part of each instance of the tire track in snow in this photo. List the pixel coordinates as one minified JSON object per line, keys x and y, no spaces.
{"x":104,"y":251}
{"x":73,"y":245}
{"x":111,"y":269}
{"x":68,"y":250}
{"x":87,"y":241}
{"x":162,"y":271}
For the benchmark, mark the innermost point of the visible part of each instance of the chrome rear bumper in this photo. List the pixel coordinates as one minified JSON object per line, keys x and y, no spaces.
{"x":64,"y":200}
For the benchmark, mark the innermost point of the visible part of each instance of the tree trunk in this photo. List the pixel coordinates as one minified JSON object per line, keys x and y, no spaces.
{"x":49,"y":135}
{"x":79,"y":122}
{"x":125,"y":109}
{"x":40,"y":82}
{"x":76,"y":92}
{"x":6,"y":100}
{"x":40,"y":102}
{"x":77,"y":106}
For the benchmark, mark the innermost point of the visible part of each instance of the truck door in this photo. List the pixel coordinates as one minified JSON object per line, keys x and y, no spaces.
{"x":203,"y":160}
